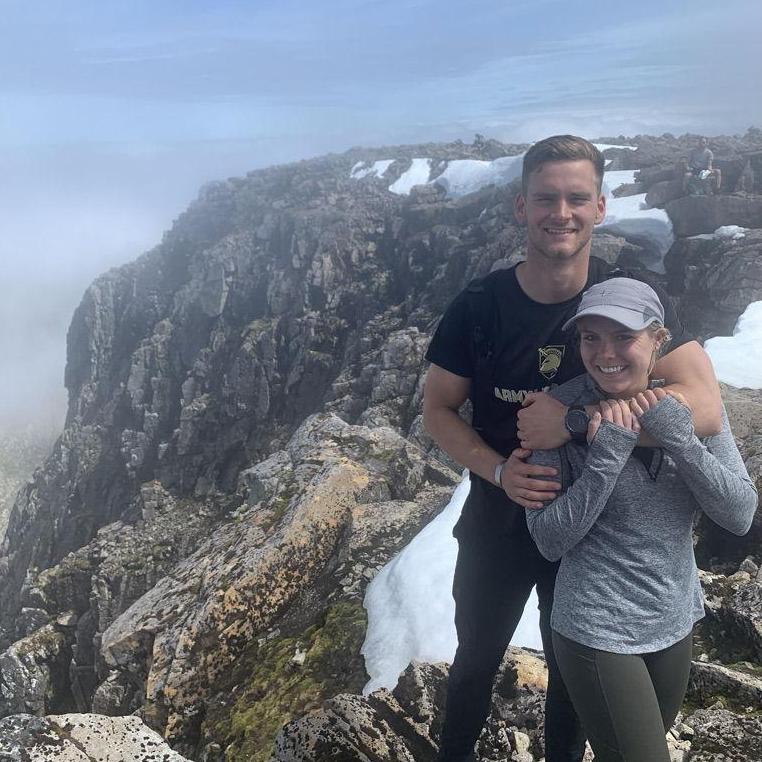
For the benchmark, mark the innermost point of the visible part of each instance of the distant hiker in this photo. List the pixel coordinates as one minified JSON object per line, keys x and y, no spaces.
{"x":627,"y":593}
{"x":500,"y":343}
{"x":698,"y":169}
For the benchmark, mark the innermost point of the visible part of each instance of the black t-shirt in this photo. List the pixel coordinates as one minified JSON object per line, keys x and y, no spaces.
{"x":530,"y":353}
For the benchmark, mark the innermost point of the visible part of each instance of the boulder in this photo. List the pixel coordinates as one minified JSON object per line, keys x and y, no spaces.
{"x":34,"y":673}
{"x":717,"y":278}
{"x":405,"y":724}
{"x":691,"y":215}
{"x":663,"y":192}
{"x":708,"y":681}
{"x":81,"y":738}
{"x":719,"y":734}
{"x":732,"y":630}
{"x":612,"y":248}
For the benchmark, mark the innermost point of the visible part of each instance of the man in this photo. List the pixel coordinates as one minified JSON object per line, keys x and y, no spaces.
{"x":500,"y":343}
{"x":699,"y":167}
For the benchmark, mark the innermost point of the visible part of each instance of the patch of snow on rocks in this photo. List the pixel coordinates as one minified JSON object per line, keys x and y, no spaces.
{"x":615,"y":179}
{"x":628,"y":217}
{"x":463,"y":176}
{"x":730,"y":231}
{"x":418,"y":174}
{"x":378,"y":169}
{"x":737,"y":359}
{"x":410,"y":607}
{"x":606,"y":146}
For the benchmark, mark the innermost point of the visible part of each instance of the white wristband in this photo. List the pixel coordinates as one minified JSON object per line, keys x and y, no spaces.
{"x":499,"y":472}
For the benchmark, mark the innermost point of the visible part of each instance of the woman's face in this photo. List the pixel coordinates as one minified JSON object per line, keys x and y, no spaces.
{"x":618,"y":359}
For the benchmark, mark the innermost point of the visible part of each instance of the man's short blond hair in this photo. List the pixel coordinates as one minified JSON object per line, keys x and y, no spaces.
{"x":561,"y":148}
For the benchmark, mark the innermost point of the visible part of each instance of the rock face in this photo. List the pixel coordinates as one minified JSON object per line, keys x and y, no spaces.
{"x":243,"y":451}
{"x":715,"y":278}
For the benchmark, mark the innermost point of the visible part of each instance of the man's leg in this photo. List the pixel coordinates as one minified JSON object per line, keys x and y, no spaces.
{"x":564,"y":737}
{"x":491,"y":586}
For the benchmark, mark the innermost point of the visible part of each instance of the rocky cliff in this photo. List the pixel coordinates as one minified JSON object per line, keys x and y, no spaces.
{"x":243,"y":448}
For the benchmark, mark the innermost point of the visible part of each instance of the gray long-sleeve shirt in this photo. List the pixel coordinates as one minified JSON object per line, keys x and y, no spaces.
{"x":628,"y":581}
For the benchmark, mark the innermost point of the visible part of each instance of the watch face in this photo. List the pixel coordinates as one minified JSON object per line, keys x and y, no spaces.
{"x":577,"y":421}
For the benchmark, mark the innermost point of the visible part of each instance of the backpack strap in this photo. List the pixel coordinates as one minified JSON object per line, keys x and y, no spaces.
{"x":482,"y":312}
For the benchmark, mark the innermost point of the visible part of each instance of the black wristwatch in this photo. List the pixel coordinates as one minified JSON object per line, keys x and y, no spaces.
{"x":576,"y":422}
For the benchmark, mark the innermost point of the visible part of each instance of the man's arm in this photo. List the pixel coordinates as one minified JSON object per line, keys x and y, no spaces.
{"x":686,"y":369}
{"x":443,"y":395}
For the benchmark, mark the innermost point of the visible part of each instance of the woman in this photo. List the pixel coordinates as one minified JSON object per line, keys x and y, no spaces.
{"x":627,"y":593}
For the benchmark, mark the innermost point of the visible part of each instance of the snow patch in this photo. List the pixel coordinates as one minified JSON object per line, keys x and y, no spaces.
{"x":378,"y":169}
{"x":731,"y":231}
{"x":606,"y":146}
{"x":463,"y":176}
{"x":629,"y":217}
{"x":410,"y":608}
{"x":737,"y":359}
{"x":418,"y":174}
{"x":726,"y":232}
{"x":616,"y":179}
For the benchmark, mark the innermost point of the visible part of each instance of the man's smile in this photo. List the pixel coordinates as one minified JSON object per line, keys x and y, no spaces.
{"x":560,"y":231}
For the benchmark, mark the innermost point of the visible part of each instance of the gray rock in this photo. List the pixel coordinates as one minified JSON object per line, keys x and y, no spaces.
{"x":692,"y":215}
{"x":405,"y":724}
{"x":707,"y":680}
{"x":720,"y":734}
{"x":663,"y":192}
{"x":31,"y":672}
{"x":81,"y":738}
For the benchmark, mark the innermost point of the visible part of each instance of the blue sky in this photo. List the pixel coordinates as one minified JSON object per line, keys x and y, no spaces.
{"x":113,"y":114}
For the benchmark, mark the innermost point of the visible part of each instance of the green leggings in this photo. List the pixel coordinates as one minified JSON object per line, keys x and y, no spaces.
{"x":626,"y":702}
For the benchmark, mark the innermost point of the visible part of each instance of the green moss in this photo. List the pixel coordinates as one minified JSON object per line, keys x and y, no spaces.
{"x":279,"y":505}
{"x":268,"y":688}
{"x":693,"y":704}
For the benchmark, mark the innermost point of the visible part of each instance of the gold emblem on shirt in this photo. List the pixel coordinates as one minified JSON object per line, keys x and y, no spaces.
{"x":550,"y":359}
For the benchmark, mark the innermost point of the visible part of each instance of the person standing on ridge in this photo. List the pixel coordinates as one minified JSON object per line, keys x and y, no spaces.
{"x":500,"y":343}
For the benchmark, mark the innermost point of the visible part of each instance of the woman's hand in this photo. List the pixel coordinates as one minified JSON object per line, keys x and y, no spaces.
{"x":617,"y":412}
{"x":651,"y":398}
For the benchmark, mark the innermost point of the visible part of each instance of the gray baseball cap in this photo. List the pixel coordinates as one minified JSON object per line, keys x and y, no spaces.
{"x":630,"y":302}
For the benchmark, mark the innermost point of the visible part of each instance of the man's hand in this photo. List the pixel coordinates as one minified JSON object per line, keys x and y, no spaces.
{"x":689,"y":370}
{"x":541,"y":422}
{"x":520,"y":486}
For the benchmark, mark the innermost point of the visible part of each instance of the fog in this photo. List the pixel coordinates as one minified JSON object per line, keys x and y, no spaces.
{"x":67,"y":214}
{"x":111,"y":118}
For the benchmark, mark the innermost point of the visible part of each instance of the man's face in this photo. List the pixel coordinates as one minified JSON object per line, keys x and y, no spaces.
{"x":561,"y":206}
